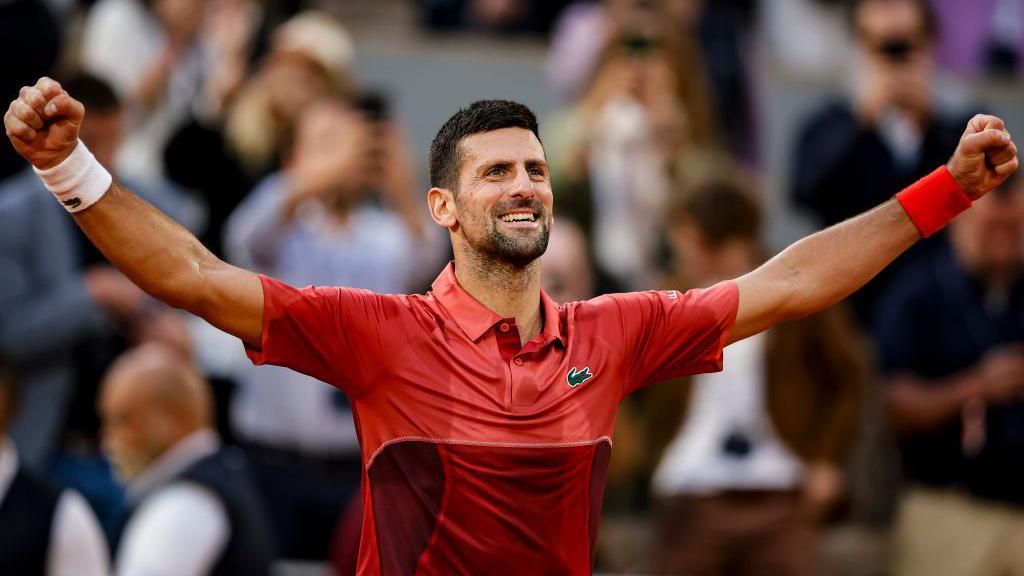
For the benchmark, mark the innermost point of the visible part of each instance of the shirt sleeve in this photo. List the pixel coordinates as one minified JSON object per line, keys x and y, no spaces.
{"x":333,"y":334}
{"x":179,"y":531}
{"x":668,"y":334}
{"x":77,"y":547}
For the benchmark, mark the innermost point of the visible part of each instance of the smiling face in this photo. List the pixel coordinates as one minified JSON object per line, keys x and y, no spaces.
{"x":501,"y":209}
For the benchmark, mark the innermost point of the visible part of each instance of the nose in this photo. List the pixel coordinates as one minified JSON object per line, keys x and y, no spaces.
{"x":523,"y":185}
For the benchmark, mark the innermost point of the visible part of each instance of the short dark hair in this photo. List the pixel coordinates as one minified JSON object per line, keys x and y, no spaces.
{"x":722,"y":209}
{"x":481,"y":116}
{"x":929,"y":22}
{"x":92,"y":91}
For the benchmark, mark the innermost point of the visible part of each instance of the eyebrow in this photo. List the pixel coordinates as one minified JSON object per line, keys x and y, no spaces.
{"x":531,"y":163}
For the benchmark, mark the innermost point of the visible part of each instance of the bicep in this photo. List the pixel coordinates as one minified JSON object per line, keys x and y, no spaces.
{"x":232,"y":301}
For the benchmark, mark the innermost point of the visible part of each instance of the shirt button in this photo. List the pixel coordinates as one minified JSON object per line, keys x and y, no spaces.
{"x":518,"y":361}
{"x":504,"y":327}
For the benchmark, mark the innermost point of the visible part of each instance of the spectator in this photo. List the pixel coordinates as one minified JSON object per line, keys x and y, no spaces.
{"x":43,"y":530}
{"x":851,"y":156}
{"x":194,"y":509}
{"x":317,"y":223}
{"x":310,"y":57}
{"x":951,"y":339}
{"x":642,"y":122}
{"x":756,"y":460}
{"x":151,"y":54}
{"x":712,"y":33}
{"x":223,"y":155}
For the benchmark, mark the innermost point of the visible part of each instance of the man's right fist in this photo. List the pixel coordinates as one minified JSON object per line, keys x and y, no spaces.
{"x":43,"y":122}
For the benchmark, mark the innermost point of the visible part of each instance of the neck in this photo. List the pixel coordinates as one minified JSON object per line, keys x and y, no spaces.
{"x":510,"y":291}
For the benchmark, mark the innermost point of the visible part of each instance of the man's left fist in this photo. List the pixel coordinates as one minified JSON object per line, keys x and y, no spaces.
{"x":985,"y":156}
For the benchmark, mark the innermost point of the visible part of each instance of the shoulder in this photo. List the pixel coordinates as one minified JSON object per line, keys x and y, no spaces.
{"x":724,"y":295}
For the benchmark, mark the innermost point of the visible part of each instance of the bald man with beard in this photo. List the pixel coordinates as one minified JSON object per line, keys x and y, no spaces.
{"x":192,"y":507}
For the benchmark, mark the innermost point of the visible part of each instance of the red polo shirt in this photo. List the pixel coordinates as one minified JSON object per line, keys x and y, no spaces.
{"x":483,"y":456}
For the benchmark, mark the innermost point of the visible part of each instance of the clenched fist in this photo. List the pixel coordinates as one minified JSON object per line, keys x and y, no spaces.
{"x":985,"y":156}
{"x":43,"y":122}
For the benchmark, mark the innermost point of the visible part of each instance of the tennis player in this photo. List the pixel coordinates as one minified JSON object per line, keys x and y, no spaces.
{"x":485,"y":409}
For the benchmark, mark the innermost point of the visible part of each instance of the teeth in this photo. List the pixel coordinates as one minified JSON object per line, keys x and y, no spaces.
{"x":521,"y":217}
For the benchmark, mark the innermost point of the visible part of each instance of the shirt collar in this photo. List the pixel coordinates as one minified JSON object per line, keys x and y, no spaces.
{"x":8,"y":465}
{"x":174,"y":461}
{"x":475,"y":319}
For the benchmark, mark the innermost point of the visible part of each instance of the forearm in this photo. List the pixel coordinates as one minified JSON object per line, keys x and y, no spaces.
{"x":830,"y":265}
{"x":822,"y":269}
{"x":915,"y":406}
{"x":152,"y":250}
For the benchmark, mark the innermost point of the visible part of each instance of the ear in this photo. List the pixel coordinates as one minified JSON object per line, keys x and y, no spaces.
{"x":441,"y":202}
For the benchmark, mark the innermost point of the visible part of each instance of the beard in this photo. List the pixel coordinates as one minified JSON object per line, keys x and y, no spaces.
{"x":517,"y":248}
{"x":128,"y":463}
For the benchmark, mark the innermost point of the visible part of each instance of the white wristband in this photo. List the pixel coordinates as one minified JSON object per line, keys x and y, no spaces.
{"x":79,"y":181}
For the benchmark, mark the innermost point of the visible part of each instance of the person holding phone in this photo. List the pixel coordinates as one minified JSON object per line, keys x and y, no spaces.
{"x":889,"y":133}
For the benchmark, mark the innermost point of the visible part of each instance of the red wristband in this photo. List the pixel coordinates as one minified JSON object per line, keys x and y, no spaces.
{"x":933,"y":201}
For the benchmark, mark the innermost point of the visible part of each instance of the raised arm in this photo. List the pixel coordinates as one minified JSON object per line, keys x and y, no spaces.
{"x":157,"y":254}
{"x":825,"y":267}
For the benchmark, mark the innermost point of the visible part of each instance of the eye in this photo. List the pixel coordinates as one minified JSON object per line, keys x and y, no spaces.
{"x":537,"y":172}
{"x":496,"y":171}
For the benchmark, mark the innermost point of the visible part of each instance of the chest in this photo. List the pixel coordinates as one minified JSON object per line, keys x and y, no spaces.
{"x":497,"y":389}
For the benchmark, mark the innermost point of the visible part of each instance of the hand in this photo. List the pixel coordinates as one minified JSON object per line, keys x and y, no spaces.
{"x":329,"y":152}
{"x":1002,"y":374}
{"x":873,"y":94}
{"x":115,"y":293}
{"x":985,"y":156}
{"x":823,"y":485}
{"x":43,"y":123}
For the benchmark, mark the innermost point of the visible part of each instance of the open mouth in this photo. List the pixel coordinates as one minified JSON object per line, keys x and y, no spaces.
{"x":519,"y":217}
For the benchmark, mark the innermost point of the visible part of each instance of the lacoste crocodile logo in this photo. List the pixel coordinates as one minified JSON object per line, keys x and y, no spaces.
{"x":575,"y":378}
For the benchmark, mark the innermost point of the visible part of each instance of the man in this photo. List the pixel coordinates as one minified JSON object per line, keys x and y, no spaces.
{"x":957,"y":403}
{"x":484,"y":409}
{"x":43,"y":530}
{"x":750,"y":457}
{"x":853,"y":153}
{"x":182,"y":486}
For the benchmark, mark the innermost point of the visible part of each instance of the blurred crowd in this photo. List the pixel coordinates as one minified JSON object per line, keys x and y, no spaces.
{"x":884,"y":436}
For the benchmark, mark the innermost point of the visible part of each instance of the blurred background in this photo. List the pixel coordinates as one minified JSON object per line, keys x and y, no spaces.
{"x":689,"y":141}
